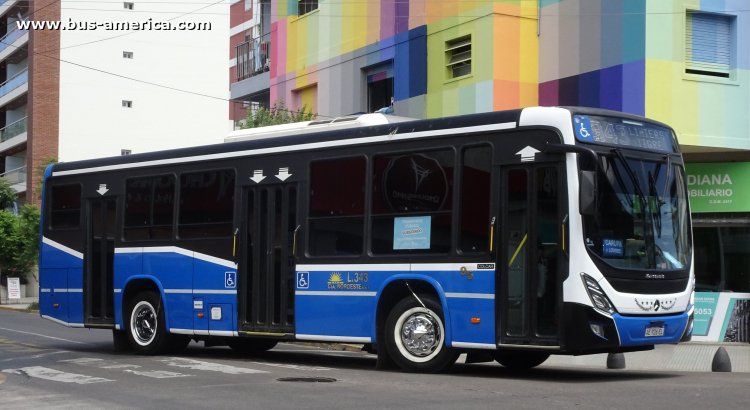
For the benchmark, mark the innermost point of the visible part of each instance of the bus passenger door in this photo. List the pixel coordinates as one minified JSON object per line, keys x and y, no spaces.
{"x":98,"y":296}
{"x":530,"y":255}
{"x":266,"y":268}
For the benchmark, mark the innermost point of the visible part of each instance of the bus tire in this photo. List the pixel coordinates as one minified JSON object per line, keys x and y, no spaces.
{"x":250,"y":347}
{"x":520,"y":360}
{"x":415,"y":336}
{"x":146,"y":327}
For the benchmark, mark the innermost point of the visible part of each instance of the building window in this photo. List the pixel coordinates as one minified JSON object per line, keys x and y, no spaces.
{"x":127,"y":54}
{"x":128,"y":5}
{"x":337,"y":206}
{"x":127,"y":104}
{"x":149,"y":207}
{"x":306,"y":6}
{"x":709,"y":44}
{"x":124,"y":152}
{"x":458,"y":57}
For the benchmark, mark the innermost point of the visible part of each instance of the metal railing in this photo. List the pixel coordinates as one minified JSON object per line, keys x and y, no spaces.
{"x":14,"y":82}
{"x":13,"y":129}
{"x":10,"y":37}
{"x":15,"y":176}
{"x":253,"y":57}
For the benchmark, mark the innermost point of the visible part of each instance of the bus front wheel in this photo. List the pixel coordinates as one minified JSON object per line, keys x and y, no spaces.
{"x":520,"y":360}
{"x":145,"y":326}
{"x":415,"y":336}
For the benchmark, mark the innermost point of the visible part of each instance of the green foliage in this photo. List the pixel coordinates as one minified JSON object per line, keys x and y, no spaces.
{"x":7,"y":195}
{"x":40,"y":172}
{"x":19,"y":241}
{"x":277,"y":114}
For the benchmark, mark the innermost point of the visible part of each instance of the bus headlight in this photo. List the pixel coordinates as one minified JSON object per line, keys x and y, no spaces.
{"x":596,"y":294}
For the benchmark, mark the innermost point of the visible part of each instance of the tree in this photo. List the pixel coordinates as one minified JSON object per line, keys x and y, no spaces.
{"x":277,"y":114}
{"x":7,"y":195}
{"x":19,"y":235}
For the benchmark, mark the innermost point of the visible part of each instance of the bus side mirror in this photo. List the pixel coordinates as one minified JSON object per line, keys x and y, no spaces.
{"x":587,"y":192}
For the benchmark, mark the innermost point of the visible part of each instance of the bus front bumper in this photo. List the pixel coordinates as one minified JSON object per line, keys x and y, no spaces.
{"x":589,"y":331}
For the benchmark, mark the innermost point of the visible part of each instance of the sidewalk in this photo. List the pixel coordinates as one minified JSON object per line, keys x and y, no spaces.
{"x":18,"y":304}
{"x":685,"y":357}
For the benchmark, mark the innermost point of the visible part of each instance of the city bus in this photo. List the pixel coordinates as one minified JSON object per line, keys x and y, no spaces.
{"x":507,"y":236}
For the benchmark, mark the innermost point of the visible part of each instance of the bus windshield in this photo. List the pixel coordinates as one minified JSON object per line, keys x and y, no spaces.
{"x":641,"y":221}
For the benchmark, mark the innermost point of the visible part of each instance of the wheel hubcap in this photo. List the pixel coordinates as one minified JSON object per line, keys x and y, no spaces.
{"x":420,"y":334}
{"x":143,"y":323}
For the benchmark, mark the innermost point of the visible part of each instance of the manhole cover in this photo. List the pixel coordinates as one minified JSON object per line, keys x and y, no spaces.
{"x":307,"y":379}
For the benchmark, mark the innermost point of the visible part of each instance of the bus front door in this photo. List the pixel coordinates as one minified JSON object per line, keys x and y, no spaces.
{"x":98,"y":296}
{"x":530,"y":255}
{"x":266,"y":282}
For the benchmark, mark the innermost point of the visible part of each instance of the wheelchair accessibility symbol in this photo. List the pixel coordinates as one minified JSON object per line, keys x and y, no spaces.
{"x":303,"y":280}
{"x":230,"y":280}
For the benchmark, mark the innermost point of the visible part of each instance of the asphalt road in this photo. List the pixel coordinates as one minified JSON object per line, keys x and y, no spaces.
{"x":44,"y":365}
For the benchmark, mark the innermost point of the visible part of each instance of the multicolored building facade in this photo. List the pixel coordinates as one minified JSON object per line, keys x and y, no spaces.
{"x":682,"y":62}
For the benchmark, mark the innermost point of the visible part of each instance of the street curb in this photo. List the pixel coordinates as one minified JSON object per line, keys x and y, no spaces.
{"x":10,"y":309}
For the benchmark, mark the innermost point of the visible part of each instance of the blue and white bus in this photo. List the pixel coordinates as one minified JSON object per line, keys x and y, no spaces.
{"x":507,"y":235}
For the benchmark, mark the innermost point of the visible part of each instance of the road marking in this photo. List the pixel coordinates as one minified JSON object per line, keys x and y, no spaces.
{"x":82,"y":360}
{"x":126,"y":368}
{"x":36,"y":356}
{"x":208,"y":366}
{"x":292,"y":366}
{"x":157,"y":374}
{"x":56,"y":375}
{"x":2,"y":378}
{"x":120,"y":366}
{"x":45,"y":336}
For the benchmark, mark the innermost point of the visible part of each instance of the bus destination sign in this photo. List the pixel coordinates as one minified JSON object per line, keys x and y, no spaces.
{"x":622,"y":132}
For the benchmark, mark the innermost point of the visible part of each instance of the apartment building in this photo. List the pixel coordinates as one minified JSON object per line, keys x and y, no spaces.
{"x":683,"y":62}
{"x":116,"y":77}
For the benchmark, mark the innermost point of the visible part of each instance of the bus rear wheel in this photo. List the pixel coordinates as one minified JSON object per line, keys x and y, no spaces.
{"x":415,"y":336}
{"x":520,"y":360}
{"x":146,"y":326}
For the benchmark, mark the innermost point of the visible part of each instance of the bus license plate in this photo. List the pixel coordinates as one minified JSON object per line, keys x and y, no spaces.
{"x":655,"y":331}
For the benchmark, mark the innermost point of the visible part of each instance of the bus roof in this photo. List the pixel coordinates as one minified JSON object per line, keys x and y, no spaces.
{"x":297,"y":128}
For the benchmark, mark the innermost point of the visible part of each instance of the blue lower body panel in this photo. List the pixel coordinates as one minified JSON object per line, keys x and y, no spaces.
{"x":632,"y":329}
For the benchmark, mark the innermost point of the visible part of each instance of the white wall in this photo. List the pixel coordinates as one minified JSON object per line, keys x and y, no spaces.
{"x":93,"y":122}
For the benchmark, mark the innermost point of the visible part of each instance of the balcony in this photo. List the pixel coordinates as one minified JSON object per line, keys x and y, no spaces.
{"x":14,"y":87}
{"x":13,"y":130}
{"x":13,"y":40}
{"x":253,"y":57}
{"x":16,"y":178}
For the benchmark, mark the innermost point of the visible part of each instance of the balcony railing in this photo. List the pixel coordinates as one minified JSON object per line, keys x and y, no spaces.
{"x":15,"y":176}
{"x":253,"y":57}
{"x":12,"y":36}
{"x":13,"y":129}
{"x":14,"y":82}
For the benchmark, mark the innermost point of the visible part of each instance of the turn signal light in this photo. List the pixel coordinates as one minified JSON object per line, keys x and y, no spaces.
{"x":56,"y":305}
{"x":200,"y":314}
{"x":475,"y":320}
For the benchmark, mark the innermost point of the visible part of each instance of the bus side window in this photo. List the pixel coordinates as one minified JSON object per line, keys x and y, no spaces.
{"x":337,"y":206}
{"x":206,"y":204}
{"x":476,"y":165}
{"x":412,"y":202}
{"x":149,"y":206}
{"x":65,"y":206}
